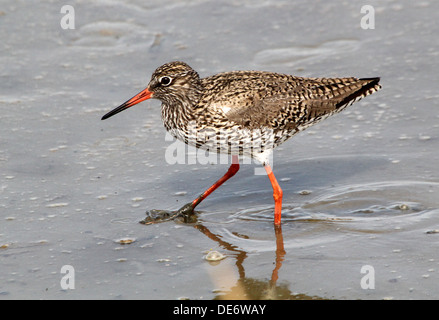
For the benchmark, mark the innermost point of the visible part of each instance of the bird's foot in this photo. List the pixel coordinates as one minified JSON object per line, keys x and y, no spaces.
{"x":185,"y":214}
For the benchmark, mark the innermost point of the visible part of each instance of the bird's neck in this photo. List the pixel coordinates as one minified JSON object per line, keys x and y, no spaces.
{"x":181,"y":110}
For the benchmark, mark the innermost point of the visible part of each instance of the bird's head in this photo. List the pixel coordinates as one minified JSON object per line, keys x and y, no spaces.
{"x":170,"y":83}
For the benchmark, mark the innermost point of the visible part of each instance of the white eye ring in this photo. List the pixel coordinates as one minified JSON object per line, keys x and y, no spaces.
{"x":165,"y":81}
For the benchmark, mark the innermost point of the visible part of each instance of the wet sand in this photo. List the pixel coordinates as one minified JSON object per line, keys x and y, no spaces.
{"x":361,"y":189}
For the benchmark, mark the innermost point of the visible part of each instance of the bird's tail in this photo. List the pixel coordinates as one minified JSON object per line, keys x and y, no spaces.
{"x":366,"y":86}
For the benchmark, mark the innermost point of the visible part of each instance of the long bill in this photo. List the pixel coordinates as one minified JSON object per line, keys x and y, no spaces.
{"x":141,"y":96}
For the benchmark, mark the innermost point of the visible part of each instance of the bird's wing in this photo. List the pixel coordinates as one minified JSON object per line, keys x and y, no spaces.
{"x":295,"y":103}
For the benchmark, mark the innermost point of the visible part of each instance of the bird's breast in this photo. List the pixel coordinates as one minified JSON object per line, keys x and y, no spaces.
{"x":229,"y":139}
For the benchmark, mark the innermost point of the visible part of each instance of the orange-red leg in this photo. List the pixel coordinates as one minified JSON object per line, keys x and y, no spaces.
{"x":277,"y":195}
{"x":230,"y":173}
{"x":189,"y":207}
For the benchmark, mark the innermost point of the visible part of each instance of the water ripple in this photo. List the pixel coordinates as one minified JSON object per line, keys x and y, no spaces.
{"x":355,"y":203}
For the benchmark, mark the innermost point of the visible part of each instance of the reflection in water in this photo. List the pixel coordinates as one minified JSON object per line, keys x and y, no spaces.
{"x":245,"y":287}
{"x":250,"y":288}
{"x":390,"y":212}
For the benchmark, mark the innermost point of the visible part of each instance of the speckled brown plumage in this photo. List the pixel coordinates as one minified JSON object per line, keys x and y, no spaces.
{"x":239,"y":106}
{"x":244,"y":112}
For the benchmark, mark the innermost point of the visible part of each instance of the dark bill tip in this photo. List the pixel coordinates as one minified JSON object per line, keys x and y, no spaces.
{"x":141,"y":96}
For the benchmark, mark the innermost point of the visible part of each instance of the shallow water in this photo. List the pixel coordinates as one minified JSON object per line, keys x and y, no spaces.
{"x":360,"y":189}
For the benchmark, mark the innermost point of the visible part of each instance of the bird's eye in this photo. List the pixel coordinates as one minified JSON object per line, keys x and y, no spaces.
{"x":165,"y":81}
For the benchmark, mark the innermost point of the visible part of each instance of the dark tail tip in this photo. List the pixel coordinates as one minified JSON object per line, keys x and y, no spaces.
{"x":373,"y":81}
{"x":370,"y":86}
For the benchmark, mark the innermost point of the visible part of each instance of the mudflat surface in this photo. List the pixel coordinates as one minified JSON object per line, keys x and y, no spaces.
{"x":361,"y":189}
